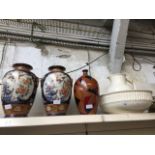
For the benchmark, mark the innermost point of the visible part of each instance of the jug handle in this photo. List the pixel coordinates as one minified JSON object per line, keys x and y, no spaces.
{"x":130,"y":81}
{"x":108,"y":77}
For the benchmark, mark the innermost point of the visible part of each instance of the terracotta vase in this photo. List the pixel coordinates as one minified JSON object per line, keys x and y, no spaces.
{"x":86,"y":92}
{"x":56,"y":90}
{"x":18,"y":90}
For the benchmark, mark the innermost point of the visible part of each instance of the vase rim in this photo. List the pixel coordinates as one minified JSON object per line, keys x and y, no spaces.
{"x":22,"y":64}
{"x":85,"y":70}
{"x":56,"y":66}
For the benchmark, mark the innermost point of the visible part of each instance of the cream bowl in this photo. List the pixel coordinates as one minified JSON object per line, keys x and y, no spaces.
{"x":129,"y":101}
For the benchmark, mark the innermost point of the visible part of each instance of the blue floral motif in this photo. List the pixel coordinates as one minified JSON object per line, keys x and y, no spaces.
{"x":7,"y":93}
{"x":18,"y":87}
{"x":57,"y":86}
{"x":50,"y":93}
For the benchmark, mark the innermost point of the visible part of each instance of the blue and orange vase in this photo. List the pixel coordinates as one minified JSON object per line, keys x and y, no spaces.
{"x":56,"y":90}
{"x":18,"y":90}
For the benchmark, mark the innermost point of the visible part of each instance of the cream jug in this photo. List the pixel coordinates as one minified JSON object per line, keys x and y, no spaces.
{"x":119,"y":82}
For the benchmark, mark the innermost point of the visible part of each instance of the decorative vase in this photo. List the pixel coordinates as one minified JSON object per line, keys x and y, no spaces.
{"x":86,"y":92}
{"x":1,"y":107}
{"x":18,"y":90}
{"x":119,"y":82}
{"x":56,"y":90}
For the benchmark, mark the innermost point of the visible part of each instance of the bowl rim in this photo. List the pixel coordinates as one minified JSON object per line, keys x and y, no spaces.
{"x":126,"y":91}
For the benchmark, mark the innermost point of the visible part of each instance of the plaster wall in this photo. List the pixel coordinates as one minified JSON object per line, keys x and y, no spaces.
{"x":43,"y":57}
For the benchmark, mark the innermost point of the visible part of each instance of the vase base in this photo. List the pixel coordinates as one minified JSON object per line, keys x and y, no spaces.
{"x":15,"y":116}
{"x":56,"y":114}
{"x":56,"y":109}
{"x":16,"y":110}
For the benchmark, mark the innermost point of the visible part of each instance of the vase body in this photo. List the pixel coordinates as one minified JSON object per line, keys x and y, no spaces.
{"x":119,"y":82}
{"x":1,"y":107}
{"x":18,"y":90}
{"x":86,"y":93}
{"x":56,"y":91}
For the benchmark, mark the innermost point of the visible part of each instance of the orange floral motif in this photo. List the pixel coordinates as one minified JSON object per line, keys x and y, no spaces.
{"x":26,"y":81}
{"x":21,"y":90}
{"x":63,"y":92}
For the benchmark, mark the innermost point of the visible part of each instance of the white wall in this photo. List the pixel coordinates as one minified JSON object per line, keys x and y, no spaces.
{"x":144,"y":79}
{"x":72,"y":59}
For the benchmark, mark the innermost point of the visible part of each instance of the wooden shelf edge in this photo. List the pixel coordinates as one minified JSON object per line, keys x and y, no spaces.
{"x":74,"y":119}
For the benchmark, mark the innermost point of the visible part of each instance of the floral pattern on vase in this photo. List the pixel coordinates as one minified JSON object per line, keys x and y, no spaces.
{"x":57,"y":86}
{"x":56,"y":92}
{"x":19,"y":87}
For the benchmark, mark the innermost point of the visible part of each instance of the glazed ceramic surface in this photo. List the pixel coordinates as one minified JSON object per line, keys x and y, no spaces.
{"x":119,"y":82}
{"x":129,"y":101}
{"x":19,"y":88}
{"x":1,"y":108}
{"x":152,"y":108}
{"x":56,"y":91}
{"x":86,"y":93}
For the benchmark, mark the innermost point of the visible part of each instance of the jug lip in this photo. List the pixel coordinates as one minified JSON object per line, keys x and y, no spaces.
{"x":117,"y":74}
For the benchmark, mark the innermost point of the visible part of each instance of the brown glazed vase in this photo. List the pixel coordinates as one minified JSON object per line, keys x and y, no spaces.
{"x":18,"y":90}
{"x":56,"y":90}
{"x":86,"y":92}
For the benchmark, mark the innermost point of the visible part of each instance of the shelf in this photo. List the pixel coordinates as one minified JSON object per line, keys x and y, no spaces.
{"x":76,"y":124}
{"x":74,"y":119}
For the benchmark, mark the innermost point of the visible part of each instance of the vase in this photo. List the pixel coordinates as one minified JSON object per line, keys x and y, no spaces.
{"x":18,"y":90}
{"x":119,"y":82}
{"x":1,"y":107}
{"x":56,"y":90}
{"x":86,"y":93}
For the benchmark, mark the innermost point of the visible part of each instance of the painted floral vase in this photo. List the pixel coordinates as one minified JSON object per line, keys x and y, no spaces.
{"x":56,"y":90}
{"x":18,"y":90}
{"x":86,"y":92}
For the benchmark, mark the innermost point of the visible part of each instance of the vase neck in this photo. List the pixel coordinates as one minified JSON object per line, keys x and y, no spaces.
{"x":56,"y":69}
{"x":22,"y":66}
{"x":85,"y":72}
